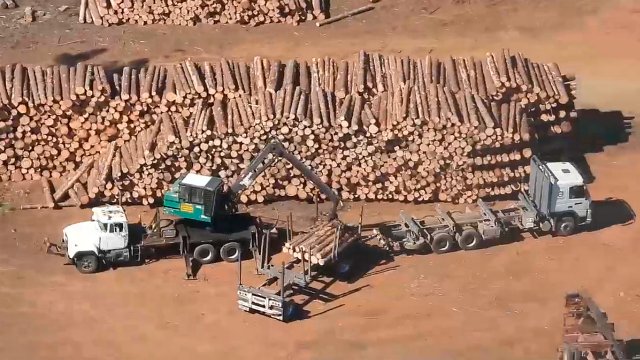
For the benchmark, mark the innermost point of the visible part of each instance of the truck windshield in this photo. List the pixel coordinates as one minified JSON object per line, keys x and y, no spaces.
{"x":578,"y":192}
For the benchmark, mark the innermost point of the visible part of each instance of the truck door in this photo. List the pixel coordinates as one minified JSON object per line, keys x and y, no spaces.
{"x":579,"y":200}
{"x":115,"y":237}
{"x":572,"y":199}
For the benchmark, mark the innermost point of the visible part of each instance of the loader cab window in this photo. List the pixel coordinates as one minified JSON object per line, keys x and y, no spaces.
{"x":184,"y":193}
{"x":102,"y":226}
{"x":192,"y":195}
{"x":197,"y":196}
{"x":578,"y":192}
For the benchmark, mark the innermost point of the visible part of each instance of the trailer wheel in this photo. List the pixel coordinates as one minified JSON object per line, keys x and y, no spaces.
{"x":87,"y":263}
{"x":205,"y":253}
{"x":470,"y":239}
{"x":343,"y":267}
{"x":289,"y":311}
{"x":230,"y":252}
{"x":565,"y":226}
{"x":442,"y":243}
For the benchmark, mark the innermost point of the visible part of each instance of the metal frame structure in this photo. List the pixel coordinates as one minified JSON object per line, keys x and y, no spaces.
{"x":294,"y":275}
{"x":587,"y":332}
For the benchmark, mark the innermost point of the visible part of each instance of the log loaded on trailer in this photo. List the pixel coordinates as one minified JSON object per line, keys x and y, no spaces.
{"x":324,"y":249}
{"x":201,"y":214}
{"x":557,"y":201}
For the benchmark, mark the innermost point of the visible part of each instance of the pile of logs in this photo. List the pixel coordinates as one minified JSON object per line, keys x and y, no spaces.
{"x":322,"y":243}
{"x":192,"y":12}
{"x":374,"y":127}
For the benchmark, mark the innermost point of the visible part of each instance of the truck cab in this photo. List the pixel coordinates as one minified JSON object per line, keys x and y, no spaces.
{"x":570,"y":194}
{"x":558,"y":192}
{"x":105,"y":236}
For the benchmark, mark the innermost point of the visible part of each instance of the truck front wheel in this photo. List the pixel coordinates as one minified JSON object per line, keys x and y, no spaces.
{"x":565,"y":226}
{"x":87,"y":263}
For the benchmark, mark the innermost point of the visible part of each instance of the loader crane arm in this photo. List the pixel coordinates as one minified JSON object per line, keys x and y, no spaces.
{"x":262,"y":162}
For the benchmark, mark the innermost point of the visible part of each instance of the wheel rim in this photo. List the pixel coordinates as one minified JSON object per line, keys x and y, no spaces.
{"x":86,"y":264}
{"x":207,"y":254}
{"x":566,"y":227}
{"x":444,"y":245}
{"x":473,"y":241}
{"x":231,"y":253}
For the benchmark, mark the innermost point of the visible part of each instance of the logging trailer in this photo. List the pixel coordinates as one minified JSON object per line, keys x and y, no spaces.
{"x":557,"y":201}
{"x":273,"y":296}
{"x":587,"y":332}
{"x":201,"y":214}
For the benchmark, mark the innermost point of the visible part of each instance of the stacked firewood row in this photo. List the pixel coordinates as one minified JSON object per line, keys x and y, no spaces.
{"x":192,"y":12}
{"x":374,"y":127}
{"x":323,"y":242}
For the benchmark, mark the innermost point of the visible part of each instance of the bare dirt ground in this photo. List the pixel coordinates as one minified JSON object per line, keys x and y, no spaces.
{"x":503,"y":302}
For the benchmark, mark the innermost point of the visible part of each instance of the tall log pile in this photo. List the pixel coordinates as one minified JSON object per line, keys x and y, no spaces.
{"x":192,"y":12}
{"x":374,"y":127}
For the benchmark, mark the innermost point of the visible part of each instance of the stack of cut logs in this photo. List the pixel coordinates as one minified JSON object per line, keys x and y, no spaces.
{"x":323,"y":242}
{"x":374,"y":127}
{"x":192,"y":12}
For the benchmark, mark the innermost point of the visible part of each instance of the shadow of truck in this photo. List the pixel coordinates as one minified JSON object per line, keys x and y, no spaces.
{"x":610,"y":212}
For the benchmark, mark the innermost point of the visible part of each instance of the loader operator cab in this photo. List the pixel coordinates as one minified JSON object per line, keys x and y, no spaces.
{"x":196,"y":197}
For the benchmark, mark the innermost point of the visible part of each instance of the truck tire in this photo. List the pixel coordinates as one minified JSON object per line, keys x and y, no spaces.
{"x":230,"y":252}
{"x":87,"y":263}
{"x":342,"y":267}
{"x":205,"y":253}
{"x":442,"y":243}
{"x":414,"y":246}
{"x":565,"y":225}
{"x":289,"y":311}
{"x":470,"y":239}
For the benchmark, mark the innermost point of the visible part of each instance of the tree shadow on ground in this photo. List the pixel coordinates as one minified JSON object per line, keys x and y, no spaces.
{"x":72,"y":59}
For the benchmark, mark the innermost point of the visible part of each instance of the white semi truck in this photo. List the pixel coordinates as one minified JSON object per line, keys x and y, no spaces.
{"x":557,"y":201}
{"x":110,"y":239}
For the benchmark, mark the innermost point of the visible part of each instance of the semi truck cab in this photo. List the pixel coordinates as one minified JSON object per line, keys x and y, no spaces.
{"x":106,"y":236}
{"x":570,"y":195}
{"x":558,"y":194}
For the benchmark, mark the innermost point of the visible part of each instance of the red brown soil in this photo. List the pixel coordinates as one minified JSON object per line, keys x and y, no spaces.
{"x":503,"y":302}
